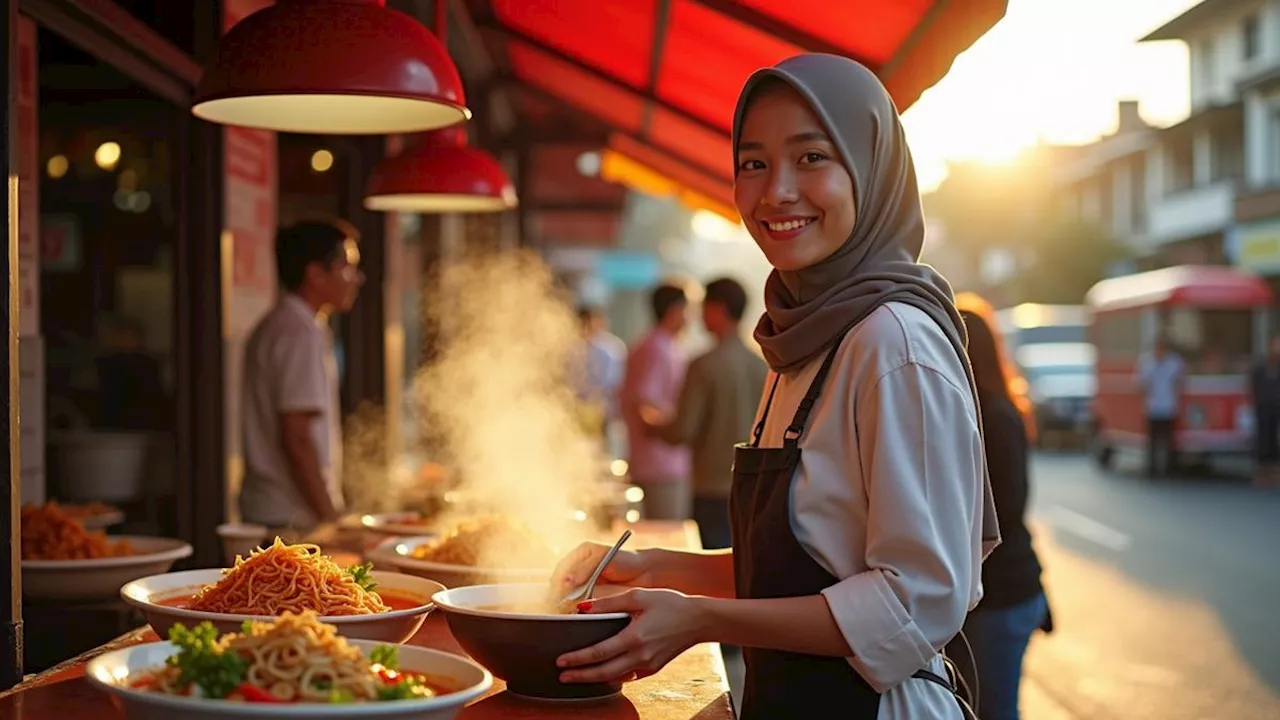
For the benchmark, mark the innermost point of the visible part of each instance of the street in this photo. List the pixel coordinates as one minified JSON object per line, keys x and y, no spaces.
{"x":1165,"y":596}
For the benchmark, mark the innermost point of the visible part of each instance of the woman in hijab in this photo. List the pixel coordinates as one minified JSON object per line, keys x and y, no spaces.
{"x":860,"y":508}
{"x":1013,"y":603}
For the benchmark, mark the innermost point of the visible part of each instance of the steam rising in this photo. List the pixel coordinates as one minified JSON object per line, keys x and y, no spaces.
{"x":496,"y":396}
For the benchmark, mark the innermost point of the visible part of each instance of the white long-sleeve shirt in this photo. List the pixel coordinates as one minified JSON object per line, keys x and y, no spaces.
{"x":888,"y":499}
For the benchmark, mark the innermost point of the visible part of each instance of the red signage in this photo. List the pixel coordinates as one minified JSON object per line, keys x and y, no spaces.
{"x":251,"y":175}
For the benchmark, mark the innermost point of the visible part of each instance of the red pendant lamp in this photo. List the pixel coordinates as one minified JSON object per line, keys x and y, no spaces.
{"x":441,"y":174}
{"x":341,"y":67}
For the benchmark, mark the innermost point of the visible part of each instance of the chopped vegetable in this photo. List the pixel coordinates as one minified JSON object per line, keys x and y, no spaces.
{"x":201,"y":662}
{"x":405,"y":687}
{"x":363,"y":575}
{"x":341,"y":695}
{"x":253,"y":693}
{"x":388,"y":656}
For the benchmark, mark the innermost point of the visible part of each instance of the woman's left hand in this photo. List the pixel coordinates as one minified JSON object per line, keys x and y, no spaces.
{"x":664,"y":623}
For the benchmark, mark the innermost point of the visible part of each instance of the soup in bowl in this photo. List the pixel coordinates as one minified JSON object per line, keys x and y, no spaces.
{"x":515,"y":632}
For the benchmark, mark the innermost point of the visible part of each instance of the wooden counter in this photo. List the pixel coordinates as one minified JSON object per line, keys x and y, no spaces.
{"x":693,"y":685}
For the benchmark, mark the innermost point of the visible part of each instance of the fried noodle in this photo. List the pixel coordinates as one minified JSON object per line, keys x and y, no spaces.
{"x":488,"y":539}
{"x":50,"y":533}
{"x":296,"y":658}
{"x":287,"y":579}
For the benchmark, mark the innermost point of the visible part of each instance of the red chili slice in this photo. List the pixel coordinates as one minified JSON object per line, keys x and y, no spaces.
{"x":253,"y":693}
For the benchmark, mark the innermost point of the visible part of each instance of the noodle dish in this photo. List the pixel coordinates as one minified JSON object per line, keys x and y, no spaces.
{"x":62,"y":560}
{"x":359,"y":601}
{"x":477,"y":549}
{"x":293,"y":666}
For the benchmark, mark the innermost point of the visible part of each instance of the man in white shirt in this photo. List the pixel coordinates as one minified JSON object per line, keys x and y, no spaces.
{"x":291,"y":432}
{"x":1160,"y":375}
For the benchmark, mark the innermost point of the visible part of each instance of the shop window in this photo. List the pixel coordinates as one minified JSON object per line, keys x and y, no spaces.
{"x":107,"y":227}
{"x":1250,"y":36}
{"x":1212,"y":341}
{"x":1118,"y":335}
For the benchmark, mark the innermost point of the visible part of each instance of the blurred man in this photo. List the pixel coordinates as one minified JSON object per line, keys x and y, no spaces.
{"x":606,"y":359}
{"x":1265,"y":389}
{"x":292,"y":435}
{"x":716,"y":410}
{"x":1160,"y":376}
{"x":654,"y":375}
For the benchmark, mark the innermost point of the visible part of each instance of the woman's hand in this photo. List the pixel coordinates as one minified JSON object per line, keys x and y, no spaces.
{"x":664,"y":623}
{"x":626,"y":568}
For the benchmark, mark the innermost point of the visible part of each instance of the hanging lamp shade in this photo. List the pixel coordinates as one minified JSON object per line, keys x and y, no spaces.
{"x":341,"y":67}
{"x":441,"y":174}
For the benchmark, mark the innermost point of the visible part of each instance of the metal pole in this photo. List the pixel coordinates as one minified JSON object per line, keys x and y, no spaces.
{"x":10,"y":482}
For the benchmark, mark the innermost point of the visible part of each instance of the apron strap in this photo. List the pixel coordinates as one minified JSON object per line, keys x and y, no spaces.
{"x":791,"y":437}
{"x":936,"y":679}
{"x":759,"y":429}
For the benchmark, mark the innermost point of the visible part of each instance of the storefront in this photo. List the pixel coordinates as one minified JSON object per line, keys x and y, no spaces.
{"x":1256,"y":246}
{"x":141,"y":238}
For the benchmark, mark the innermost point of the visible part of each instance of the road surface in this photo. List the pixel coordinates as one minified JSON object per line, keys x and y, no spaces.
{"x":1166,"y":596}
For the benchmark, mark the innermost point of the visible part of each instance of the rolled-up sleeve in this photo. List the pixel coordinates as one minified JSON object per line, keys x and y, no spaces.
{"x":921,"y":455}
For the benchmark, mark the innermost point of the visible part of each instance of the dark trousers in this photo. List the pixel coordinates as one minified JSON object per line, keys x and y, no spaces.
{"x":1267,"y":435}
{"x":1162,"y":455}
{"x":712,"y":516}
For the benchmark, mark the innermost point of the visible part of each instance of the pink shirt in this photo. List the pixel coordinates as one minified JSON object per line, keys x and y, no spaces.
{"x":654,"y":375}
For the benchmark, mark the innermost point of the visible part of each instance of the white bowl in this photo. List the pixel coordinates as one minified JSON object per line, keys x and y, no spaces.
{"x":397,"y":553}
{"x":111,"y":671}
{"x":240,"y":539}
{"x":100,"y":579}
{"x":101,"y":520}
{"x":397,"y":524}
{"x":395,"y":626}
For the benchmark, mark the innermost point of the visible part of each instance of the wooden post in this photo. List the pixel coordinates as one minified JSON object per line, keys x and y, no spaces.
{"x":10,"y":483}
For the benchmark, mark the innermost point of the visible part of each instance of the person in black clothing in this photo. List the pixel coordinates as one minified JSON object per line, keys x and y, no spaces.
{"x":1013,"y":605}
{"x":1264,"y":387}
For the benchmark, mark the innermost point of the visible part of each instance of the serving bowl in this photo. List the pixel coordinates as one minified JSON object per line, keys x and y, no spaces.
{"x":101,"y":578}
{"x":394,"y":524}
{"x":521,"y":647}
{"x":112,"y":671}
{"x":398,"y":553}
{"x":159,"y":597}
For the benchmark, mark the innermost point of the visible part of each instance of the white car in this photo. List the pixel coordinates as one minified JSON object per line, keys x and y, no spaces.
{"x":1062,"y":383}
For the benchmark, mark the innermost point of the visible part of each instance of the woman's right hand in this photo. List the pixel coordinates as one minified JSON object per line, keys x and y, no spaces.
{"x":628,"y":567}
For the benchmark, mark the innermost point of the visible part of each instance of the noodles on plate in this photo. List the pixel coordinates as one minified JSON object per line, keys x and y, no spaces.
{"x":50,"y":533}
{"x":289,"y":578}
{"x":294,"y":658}
{"x":490,"y":540}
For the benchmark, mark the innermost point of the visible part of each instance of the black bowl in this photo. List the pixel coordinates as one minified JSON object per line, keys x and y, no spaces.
{"x":522,"y":648}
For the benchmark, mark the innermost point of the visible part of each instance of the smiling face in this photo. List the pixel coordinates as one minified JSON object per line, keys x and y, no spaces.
{"x":793,"y":192}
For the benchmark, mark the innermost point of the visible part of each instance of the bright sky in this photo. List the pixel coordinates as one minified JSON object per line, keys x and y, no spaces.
{"x":1051,"y":70}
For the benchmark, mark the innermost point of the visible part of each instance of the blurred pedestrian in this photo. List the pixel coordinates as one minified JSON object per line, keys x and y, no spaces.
{"x":1013,"y":602}
{"x":717,"y":407}
{"x":1264,"y":387}
{"x":1161,"y":374}
{"x":653,"y":377}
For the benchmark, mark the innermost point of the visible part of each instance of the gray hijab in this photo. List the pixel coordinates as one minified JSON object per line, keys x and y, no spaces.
{"x":809,"y":310}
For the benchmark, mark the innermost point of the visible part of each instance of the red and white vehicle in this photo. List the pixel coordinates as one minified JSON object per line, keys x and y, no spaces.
{"x":1215,"y":318}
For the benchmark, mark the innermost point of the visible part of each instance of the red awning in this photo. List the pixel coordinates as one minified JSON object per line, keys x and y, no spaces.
{"x":666,"y":73}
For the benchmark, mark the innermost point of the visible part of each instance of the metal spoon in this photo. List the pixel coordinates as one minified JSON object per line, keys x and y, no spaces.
{"x":583,"y":592}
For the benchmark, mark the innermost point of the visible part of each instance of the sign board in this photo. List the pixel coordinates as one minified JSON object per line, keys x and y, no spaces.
{"x":1257,"y":246}
{"x":28,"y":180}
